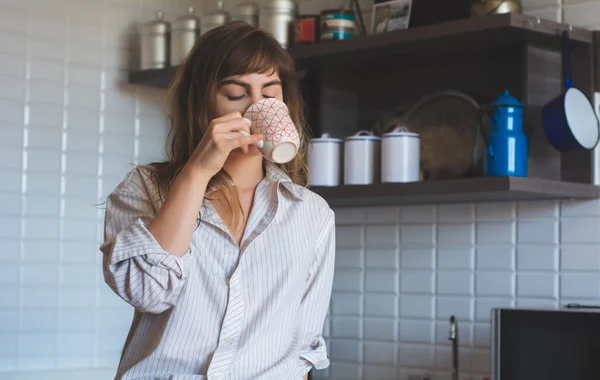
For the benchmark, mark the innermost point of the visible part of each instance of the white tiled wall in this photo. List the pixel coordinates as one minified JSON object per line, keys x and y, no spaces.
{"x":70,"y":129}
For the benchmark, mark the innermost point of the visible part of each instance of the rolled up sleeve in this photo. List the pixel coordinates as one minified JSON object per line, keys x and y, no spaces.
{"x":313,"y":351}
{"x":135,"y":266}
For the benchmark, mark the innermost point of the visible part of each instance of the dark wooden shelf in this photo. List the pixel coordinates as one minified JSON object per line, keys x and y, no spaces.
{"x":468,"y":190}
{"x":470,"y":36}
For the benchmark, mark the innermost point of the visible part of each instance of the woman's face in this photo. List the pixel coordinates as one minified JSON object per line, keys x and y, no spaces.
{"x":238,"y":93}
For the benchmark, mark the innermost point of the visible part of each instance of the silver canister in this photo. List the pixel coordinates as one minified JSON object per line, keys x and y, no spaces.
{"x":185,"y":31}
{"x":247,"y":12}
{"x":215,"y":18}
{"x":154,"y":41}
{"x":277,"y":17}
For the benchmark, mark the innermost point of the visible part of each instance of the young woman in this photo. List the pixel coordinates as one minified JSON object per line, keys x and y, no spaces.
{"x":226,"y":257}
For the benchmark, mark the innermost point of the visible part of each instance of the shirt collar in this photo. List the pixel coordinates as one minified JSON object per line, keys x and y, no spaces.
{"x":274,"y":174}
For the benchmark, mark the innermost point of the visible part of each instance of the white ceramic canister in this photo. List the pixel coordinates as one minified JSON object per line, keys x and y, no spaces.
{"x":277,"y":18}
{"x":362,"y":158}
{"x":185,"y":30}
{"x":215,"y":18}
{"x":155,"y":38}
{"x":325,"y":160}
{"x":400,"y":156}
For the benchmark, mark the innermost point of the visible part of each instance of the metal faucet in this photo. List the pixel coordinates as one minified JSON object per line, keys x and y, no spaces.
{"x":454,"y":338}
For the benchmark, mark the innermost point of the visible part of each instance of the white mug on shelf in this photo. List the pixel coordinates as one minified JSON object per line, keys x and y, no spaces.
{"x":362,"y":158}
{"x":400,"y":156}
{"x":325,"y":160}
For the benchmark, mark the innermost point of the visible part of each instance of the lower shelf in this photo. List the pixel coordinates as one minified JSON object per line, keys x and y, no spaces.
{"x":468,"y":190}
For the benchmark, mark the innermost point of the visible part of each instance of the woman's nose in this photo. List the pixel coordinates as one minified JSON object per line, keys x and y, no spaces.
{"x":256,"y":96}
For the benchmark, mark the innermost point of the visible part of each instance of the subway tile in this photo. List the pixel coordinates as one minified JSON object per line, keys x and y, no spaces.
{"x":346,"y":304}
{"x":11,"y":204}
{"x":456,"y":234}
{"x":40,"y":274}
{"x":580,"y":208}
{"x":580,"y":258}
{"x":82,"y":141}
{"x":80,"y":230}
{"x":12,"y":111}
{"x":349,"y":237}
{"x":80,"y":343}
{"x":417,"y":258}
{"x":46,"y":114}
{"x":9,"y":321}
{"x":580,"y":230}
{"x":583,"y":14}
{"x":580,"y":285}
{"x":11,"y":158}
{"x":386,"y":258}
{"x":40,"y":205}
{"x":39,"y":320}
{"x":12,"y":88}
{"x":481,"y":335}
{"x":383,"y":215}
{"x":496,"y":212}
{"x":77,"y":319}
{"x":42,"y":228}
{"x":46,"y":92}
{"x":455,"y":282}
{"x":543,"y":231}
{"x":38,"y":296}
{"x":417,"y":281}
{"x":13,"y":42}
{"x":350,"y":258}
{"x":380,"y":329}
{"x":537,"y":258}
{"x":552,"y":13}
{"x":81,"y":208}
{"x":78,"y":275}
{"x":417,"y":355}
{"x":539,"y":285}
{"x":346,"y":327}
{"x":84,"y":56}
{"x":12,"y":65}
{"x":80,"y":186}
{"x":11,"y":135}
{"x":44,"y":137}
{"x":346,"y":350}
{"x":495,"y":257}
{"x":81,"y":163}
{"x":460,"y":306}
{"x":42,"y":183}
{"x":495,"y":283}
{"x":416,"y":331}
{"x":79,"y":297}
{"x":82,"y":119}
{"x":456,"y":213}
{"x":9,"y":297}
{"x":381,"y":305}
{"x":385,"y":281}
{"x":83,"y":96}
{"x":343,"y":370}
{"x":44,"y":70}
{"x":47,"y":49}
{"x":381,"y":236}
{"x":379,"y":371}
{"x":10,"y":250}
{"x":496,"y":233}
{"x":455,"y":258}
{"x":10,"y":227}
{"x":532,"y":4}
{"x":41,"y":251}
{"x":416,"y":306}
{"x":418,"y":214}
{"x":80,"y":252}
{"x":119,"y":145}
{"x":348,"y":280}
{"x":417,"y":235}
{"x":532,"y":210}
{"x":536,"y":303}
{"x":9,"y":274}
{"x":42,"y":343}
{"x":465,"y":332}
{"x":484,"y":305}
{"x":47,"y":27}
{"x":380,"y":353}
{"x":44,"y":160}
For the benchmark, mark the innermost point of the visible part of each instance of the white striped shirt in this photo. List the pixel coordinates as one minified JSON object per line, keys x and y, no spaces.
{"x":223,"y":311}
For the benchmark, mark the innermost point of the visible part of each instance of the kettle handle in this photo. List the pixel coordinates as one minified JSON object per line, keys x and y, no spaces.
{"x":484,"y":114}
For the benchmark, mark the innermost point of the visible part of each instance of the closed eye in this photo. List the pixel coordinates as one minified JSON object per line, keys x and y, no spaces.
{"x":235,"y":98}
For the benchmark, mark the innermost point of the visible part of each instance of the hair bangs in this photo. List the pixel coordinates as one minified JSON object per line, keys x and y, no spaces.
{"x":255,"y":54}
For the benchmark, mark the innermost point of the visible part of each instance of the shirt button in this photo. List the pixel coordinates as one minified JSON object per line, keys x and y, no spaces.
{"x":228,"y":340}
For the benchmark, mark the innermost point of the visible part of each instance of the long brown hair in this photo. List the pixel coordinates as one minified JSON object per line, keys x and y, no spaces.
{"x":232,"y":49}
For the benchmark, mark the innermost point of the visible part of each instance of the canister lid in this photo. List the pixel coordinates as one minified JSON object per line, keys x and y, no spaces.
{"x":401,"y":131}
{"x":187,"y":22}
{"x":218,"y":16}
{"x":326,"y":138}
{"x":283,"y":5}
{"x":363,"y":136}
{"x":248,"y":8}
{"x":158,"y":26}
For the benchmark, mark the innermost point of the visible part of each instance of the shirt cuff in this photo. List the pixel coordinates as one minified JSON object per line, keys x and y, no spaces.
{"x":316,"y":354}
{"x":136,"y":240}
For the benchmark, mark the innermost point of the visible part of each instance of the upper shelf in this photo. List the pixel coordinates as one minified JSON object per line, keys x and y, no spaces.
{"x":475,"y":35}
{"x":466,"y":190}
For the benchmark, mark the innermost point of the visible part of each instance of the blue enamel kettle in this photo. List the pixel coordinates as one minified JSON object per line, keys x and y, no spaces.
{"x":506,"y":149}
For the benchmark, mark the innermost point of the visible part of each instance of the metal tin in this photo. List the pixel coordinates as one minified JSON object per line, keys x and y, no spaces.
{"x":277,"y":18}
{"x":337,"y":24}
{"x":184,"y":34}
{"x":247,"y":12}
{"x":306,"y":29}
{"x":154,"y":43}
{"x":215,"y":18}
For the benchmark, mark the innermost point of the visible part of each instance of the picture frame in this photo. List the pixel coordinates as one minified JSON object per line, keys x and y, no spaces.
{"x":390,"y":15}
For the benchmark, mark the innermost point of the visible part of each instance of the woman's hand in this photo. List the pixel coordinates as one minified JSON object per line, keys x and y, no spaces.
{"x":221,"y":137}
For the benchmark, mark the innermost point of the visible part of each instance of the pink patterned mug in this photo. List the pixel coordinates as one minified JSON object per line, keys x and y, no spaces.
{"x":271,"y":118}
